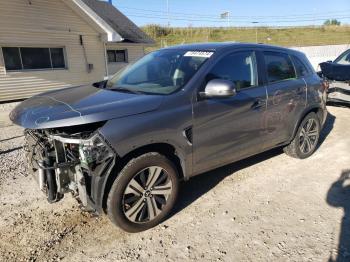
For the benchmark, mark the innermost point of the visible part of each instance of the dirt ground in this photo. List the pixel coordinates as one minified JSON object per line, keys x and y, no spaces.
{"x":266,"y":208}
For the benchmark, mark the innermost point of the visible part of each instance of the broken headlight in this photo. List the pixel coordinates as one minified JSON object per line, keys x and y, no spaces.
{"x":95,"y":154}
{"x":94,"y":151}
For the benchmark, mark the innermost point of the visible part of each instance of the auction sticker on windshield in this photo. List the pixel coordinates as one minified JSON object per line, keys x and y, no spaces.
{"x":199,"y":54}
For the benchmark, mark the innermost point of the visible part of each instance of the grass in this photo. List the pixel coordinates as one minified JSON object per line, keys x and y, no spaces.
{"x":297,"y":36}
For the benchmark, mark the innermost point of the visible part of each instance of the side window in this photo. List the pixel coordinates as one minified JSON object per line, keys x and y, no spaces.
{"x":240,"y":68}
{"x":279,"y":67}
{"x":300,"y":68}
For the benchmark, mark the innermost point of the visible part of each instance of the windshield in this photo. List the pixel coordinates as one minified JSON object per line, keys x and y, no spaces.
{"x":160,"y":72}
{"x":343,"y":59}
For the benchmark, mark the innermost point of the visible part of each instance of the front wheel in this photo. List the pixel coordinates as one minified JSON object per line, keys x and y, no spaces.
{"x":306,"y":139}
{"x":144,"y":193}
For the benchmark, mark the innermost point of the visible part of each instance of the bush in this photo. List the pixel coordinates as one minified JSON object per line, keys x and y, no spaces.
{"x":156,"y":31}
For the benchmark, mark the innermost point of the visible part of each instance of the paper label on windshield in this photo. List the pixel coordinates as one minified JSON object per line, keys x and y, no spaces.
{"x":199,"y":54}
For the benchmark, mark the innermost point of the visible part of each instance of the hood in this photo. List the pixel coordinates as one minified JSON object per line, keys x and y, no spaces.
{"x":334,"y":71}
{"x":80,"y":105}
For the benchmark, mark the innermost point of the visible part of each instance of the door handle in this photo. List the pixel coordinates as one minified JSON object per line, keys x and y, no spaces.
{"x":258,"y":103}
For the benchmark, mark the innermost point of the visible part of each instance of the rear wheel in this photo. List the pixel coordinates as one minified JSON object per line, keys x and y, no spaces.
{"x":306,"y":139}
{"x":143,"y":193}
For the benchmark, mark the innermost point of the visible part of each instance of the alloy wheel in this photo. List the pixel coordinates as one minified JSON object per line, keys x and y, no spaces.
{"x":308,"y":136}
{"x":146,"y":194}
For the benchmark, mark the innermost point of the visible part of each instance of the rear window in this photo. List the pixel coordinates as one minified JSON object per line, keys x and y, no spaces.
{"x":279,"y":67}
{"x":300,"y":67}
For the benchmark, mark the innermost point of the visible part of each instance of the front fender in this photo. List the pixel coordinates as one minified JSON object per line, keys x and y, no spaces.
{"x":130,"y":133}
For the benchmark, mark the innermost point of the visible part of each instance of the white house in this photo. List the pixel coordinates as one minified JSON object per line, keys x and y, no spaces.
{"x":46,"y":44}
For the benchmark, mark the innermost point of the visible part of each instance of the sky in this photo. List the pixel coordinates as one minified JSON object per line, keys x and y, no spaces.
{"x":183,"y":13}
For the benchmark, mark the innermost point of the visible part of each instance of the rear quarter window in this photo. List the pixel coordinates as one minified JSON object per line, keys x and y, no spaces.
{"x":300,"y":68}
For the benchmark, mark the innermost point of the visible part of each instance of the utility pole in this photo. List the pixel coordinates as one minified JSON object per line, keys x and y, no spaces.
{"x":227,"y":16}
{"x":228,"y":19}
{"x":256,"y":31}
{"x":167,"y":8}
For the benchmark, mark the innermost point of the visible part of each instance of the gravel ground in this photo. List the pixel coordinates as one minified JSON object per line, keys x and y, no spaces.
{"x":8,"y":106}
{"x":266,"y":208}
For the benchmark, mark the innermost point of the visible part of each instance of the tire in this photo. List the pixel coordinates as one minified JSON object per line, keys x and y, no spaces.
{"x":143,"y":193}
{"x":305,"y":142}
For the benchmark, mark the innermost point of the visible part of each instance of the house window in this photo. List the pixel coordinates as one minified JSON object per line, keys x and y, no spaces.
{"x":115,"y":56}
{"x":32,"y":58}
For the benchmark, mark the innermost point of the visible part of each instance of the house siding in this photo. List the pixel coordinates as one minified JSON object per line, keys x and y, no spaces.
{"x":135,"y":52}
{"x":47,"y":24}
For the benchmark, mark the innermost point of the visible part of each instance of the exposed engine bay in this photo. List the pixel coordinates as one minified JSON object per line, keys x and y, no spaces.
{"x":64,"y":160}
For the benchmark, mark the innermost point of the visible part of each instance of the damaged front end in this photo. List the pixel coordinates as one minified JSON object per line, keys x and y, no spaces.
{"x":339,"y":92}
{"x":65,"y":160}
{"x":338,"y":77}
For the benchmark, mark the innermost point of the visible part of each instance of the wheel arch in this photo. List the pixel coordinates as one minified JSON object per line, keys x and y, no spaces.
{"x":319,"y":111}
{"x":165,"y":149}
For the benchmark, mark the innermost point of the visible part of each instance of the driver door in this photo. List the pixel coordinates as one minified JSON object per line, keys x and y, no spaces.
{"x":231,"y":128}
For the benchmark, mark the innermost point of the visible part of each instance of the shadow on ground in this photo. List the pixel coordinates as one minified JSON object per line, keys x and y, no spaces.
{"x":10,"y":150}
{"x":199,"y":185}
{"x":11,"y":138}
{"x":327,"y":128}
{"x":339,"y":196}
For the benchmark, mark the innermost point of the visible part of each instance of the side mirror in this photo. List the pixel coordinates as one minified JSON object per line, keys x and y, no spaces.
{"x":101,"y":84}
{"x":329,"y":61}
{"x":219,"y":88}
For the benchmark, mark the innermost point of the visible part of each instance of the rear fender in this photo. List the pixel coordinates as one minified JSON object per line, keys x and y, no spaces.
{"x":321,"y":113}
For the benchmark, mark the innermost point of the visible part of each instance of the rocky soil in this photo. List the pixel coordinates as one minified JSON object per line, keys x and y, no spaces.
{"x":266,"y":208}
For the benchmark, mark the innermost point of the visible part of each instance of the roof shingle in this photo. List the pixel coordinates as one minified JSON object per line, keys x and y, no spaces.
{"x":119,"y":22}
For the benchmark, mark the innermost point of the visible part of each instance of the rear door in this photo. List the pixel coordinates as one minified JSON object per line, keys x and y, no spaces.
{"x":286,"y":97}
{"x":226,"y":129}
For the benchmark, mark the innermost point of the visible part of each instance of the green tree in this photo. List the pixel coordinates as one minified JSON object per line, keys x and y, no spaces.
{"x":332,"y":22}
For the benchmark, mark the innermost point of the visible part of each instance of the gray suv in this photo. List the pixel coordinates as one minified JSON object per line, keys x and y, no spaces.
{"x":121,"y":146}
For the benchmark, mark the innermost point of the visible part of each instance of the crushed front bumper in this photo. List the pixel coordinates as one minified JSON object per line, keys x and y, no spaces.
{"x":70,"y":165}
{"x":339,"y":92}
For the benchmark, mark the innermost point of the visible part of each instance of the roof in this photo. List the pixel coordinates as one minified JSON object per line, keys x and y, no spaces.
{"x":119,"y":22}
{"x":210,"y":46}
{"x":216,"y":46}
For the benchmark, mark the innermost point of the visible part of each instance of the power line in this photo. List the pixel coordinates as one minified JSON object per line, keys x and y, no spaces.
{"x":213,"y":16}
{"x":233,"y":19}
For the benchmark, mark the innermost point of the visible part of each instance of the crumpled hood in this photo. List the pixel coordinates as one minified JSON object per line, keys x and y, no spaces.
{"x":80,"y":105}
{"x":334,"y":71}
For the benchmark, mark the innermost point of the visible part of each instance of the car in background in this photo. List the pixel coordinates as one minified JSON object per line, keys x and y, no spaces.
{"x":337,"y":73}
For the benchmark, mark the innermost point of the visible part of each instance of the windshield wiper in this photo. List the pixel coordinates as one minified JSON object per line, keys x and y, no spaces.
{"x":126,"y":90}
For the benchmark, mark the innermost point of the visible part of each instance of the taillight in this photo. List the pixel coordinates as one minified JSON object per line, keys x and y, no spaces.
{"x":325,"y":85}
